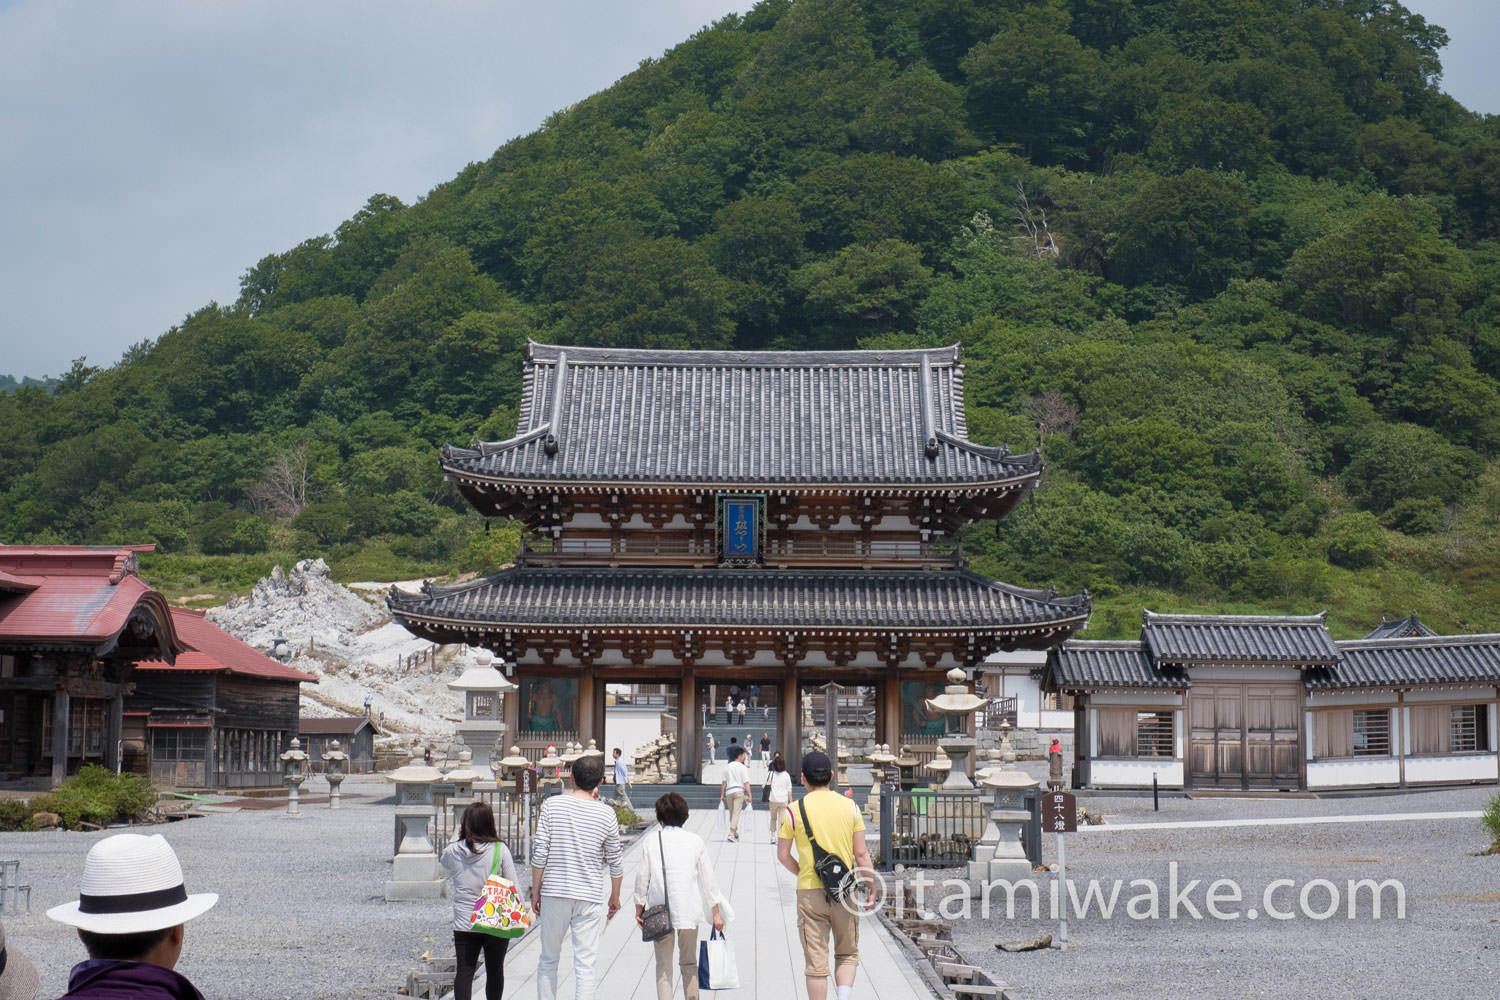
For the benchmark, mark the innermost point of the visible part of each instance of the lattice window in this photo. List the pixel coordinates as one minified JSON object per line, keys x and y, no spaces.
{"x":1154,"y":734}
{"x":1372,"y":732}
{"x":1469,"y":729}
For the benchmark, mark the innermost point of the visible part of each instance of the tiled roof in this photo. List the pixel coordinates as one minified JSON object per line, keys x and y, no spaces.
{"x":1250,"y":639}
{"x":1407,"y":662}
{"x":1093,"y":664}
{"x":1400,"y":628}
{"x":213,"y":650}
{"x":751,"y":598}
{"x":76,"y":595}
{"x":340,"y":725}
{"x":741,"y":418}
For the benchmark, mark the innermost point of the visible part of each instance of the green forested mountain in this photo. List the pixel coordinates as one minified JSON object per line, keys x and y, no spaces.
{"x":1231,"y":263}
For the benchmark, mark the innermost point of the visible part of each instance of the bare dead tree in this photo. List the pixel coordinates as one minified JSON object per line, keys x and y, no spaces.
{"x":282,"y":490}
{"x":1038,"y":239}
{"x":1052,"y":412}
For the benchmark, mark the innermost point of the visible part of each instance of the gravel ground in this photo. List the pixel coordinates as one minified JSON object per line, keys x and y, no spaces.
{"x":301,"y":913}
{"x":1448,"y":944}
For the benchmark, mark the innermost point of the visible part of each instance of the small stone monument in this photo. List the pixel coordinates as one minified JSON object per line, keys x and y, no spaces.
{"x":334,"y":760}
{"x":294,"y":762}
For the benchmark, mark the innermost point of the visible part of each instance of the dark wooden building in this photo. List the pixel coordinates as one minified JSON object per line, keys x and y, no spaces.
{"x":73,"y":622}
{"x":356,"y":736}
{"x":705,"y":519}
{"x":218,"y":715}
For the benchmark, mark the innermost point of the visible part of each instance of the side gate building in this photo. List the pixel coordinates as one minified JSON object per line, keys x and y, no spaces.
{"x":715,"y":521}
{"x":1274,"y":702}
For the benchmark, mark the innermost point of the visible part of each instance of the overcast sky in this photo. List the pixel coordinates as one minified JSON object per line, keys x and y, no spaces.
{"x":151,"y":151}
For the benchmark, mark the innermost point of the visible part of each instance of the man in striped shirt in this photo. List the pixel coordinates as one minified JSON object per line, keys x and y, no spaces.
{"x":577,"y":837}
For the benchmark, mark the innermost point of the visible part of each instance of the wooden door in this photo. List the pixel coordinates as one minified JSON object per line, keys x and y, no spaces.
{"x":1244,"y":736}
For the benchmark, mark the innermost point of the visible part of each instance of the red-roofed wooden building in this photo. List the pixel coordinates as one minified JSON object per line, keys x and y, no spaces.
{"x":73,"y":621}
{"x":218,"y":715}
{"x":96,"y":667}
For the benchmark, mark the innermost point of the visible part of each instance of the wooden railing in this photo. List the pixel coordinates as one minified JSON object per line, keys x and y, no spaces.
{"x":803,"y":549}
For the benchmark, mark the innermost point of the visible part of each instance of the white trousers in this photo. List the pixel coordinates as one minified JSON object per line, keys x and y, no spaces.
{"x":586,"y":920}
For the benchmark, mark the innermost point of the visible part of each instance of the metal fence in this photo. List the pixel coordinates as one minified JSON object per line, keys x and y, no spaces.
{"x":926,"y":829}
{"x":513,"y":821}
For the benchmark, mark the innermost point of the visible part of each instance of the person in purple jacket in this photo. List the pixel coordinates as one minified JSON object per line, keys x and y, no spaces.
{"x":129,"y":914}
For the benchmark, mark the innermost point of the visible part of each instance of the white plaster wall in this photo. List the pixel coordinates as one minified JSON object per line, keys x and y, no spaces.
{"x":1135,"y":773}
{"x":1246,"y":674}
{"x":1342,"y":773}
{"x":1469,"y":767}
{"x":1145,"y":699}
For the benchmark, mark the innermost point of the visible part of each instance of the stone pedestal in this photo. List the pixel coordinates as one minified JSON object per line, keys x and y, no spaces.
{"x":415,"y":873}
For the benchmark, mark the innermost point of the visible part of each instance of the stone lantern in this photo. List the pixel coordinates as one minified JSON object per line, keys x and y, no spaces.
{"x":843,"y":759}
{"x":881,"y":758}
{"x":941,"y":765}
{"x":414,"y":871}
{"x":462,"y":777}
{"x":956,"y":702}
{"x":512,"y":764}
{"x":280,"y":649}
{"x":554,"y":781}
{"x":334,"y":761}
{"x":906,"y":768}
{"x":999,"y":854}
{"x":569,"y":757}
{"x":483,"y":688}
{"x":294,"y":762}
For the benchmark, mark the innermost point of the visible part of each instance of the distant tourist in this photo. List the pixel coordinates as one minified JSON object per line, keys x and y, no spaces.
{"x":779,"y":795}
{"x":743,"y":708}
{"x":675,"y":869}
{"x":577,"y":840}
{"x":621,"y":779}
{"x":18,"y":978}
{"x":754,"y":696}
{"x":470,"y":858}
{"x":729,"y":708}
{"x":730,"y":750}
{"x":765,"y":747}
{"x":839,"y":829}
{"x":734,"y":790}
{"x":130,"y":912}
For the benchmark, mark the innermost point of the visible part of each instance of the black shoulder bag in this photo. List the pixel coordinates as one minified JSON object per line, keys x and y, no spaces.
{"x":836,"y":876}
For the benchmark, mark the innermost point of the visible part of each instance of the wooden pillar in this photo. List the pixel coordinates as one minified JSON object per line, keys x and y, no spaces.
{"x":113,"y":727}
{"x":590,"y":708}
{"x":689,"y":725}
{"x":59,"y":735}
{"x":510,"y":713}
{"x":888,"y":718}
{"x":791,"y":722}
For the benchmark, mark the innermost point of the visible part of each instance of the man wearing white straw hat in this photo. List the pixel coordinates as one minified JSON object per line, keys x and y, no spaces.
{"x":129,"y":914}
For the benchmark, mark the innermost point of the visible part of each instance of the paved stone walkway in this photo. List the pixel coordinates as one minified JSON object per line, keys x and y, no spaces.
{"x":764,"y":933}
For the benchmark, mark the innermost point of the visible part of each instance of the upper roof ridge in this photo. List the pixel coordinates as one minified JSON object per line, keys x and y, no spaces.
{"x":548,"y":353}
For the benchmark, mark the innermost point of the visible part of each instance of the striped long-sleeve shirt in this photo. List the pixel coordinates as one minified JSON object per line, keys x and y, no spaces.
{"x":576,"y":841}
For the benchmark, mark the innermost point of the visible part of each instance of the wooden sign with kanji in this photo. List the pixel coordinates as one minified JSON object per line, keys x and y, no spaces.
{"x":1059,"y":812}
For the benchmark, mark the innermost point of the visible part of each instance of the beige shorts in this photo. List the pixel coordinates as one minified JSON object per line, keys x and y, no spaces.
{"x":816,"y":918}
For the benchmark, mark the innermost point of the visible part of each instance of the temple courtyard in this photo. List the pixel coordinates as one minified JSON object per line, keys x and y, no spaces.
{"x":302,"y":911}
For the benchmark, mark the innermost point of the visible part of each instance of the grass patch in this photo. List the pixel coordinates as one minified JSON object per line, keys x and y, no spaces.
{"x":95,"y":796}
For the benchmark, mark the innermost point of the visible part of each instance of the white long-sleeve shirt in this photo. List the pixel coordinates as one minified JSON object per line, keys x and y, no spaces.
{"x":692,"y":889}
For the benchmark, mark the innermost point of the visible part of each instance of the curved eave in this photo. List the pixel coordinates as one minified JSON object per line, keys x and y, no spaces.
{"x":467,"y":478}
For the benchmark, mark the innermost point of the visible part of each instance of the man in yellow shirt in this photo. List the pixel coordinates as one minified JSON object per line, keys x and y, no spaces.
{"x":839,"y":829}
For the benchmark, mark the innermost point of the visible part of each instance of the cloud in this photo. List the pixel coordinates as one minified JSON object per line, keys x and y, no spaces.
{"x":153,"y":151}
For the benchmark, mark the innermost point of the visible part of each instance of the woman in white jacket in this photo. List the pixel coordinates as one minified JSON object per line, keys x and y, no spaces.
{"x":780,"y":793}
{"x":689,"y":888}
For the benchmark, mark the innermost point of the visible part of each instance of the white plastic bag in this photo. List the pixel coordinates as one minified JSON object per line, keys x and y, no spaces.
{"x":722,"y":820}
{"x":716,"y":967}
